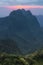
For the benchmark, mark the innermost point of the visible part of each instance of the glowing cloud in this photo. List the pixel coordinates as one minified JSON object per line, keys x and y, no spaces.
{"x":24,"y":7}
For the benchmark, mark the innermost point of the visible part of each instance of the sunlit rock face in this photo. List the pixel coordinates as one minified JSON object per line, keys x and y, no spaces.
{"x":24,"y":28}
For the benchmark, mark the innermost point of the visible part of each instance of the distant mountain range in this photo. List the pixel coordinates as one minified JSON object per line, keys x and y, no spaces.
{"x":23,"y":27}
{"x":40,"y":19}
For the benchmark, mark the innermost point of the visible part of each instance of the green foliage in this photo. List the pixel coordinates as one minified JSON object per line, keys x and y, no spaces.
{"x":35,"y":58}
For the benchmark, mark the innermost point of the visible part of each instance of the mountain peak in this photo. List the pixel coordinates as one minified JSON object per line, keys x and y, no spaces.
{"x":29,"y":12}
{"x":20,"y":12}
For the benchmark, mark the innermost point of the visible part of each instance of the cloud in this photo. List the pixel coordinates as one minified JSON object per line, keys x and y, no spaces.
{"x":20,"y":2}
{"x":23,"y":6}
{"x":25,"y":1}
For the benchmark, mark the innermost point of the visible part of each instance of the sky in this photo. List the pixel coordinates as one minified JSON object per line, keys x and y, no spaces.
{"x":36,"y":6}
{"x":20,"y":2}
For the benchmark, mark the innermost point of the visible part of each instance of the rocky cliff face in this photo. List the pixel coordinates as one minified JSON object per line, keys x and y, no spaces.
{"x":22,"y":27}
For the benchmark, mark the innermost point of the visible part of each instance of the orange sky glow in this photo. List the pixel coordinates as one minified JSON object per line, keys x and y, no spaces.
{"x":22,"y":6}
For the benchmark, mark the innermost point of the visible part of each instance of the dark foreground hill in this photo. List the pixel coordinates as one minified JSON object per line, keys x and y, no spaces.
{"x":35,"y":58}
{"x":23,"y":28}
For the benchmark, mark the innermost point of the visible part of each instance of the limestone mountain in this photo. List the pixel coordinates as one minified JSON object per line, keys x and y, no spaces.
{"x":24,"y":28}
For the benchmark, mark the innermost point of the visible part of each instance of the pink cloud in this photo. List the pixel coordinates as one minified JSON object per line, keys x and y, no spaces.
{"x":22,"y":6}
